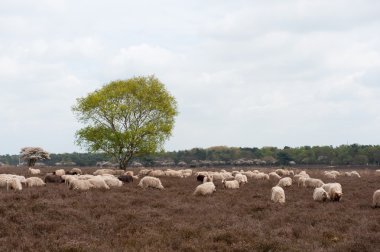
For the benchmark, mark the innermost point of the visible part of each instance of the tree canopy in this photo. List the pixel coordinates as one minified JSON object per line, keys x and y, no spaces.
{"x":33,"y":154}
{"x":126,"y":118}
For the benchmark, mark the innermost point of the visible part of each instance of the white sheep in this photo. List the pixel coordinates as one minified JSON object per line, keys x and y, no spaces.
{"x":34,"y":171}
{"x":320,"y":194}
{"x":98,"y":182}
{"x":14,"y":183}
{"x":312,"y":182}
{"x":60,"y":172}
{"x":274,"y":176}
{"x":149,"y":181}
{"x":208,"y":178}
{"x":80,"y":185}
{"x":173,"y":173}
{"x":278,"y":195}
{"x":260,"y":176}
{"x":376,"y":199}
{"x":334,"y":191}
{"x":112,"y":181}
{"x":242,"y":179}
{"x":205,"y":189}
{"x":34,"y":181}
{"x":355,"y":174}
{"x":231,"y":184}
{"x":284,"y":182}
{"x":330,"y":175}
{"x":157,"y":173}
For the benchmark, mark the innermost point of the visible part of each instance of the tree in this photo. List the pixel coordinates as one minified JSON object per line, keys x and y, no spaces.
{"x":33,"y":154}
{"x":126,"y":118}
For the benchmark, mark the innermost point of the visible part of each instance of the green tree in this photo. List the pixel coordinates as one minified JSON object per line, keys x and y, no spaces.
{"x":126,"y":118}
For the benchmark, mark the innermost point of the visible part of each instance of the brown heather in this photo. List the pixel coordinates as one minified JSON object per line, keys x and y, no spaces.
{"x":54,"y":218}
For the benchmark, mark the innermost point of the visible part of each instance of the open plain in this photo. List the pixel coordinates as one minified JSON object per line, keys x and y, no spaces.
{"x":54,"y":218}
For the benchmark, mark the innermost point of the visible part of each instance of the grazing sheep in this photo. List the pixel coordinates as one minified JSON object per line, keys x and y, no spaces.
{"x":34,"y":181}
{"x":68,"y":178}
{"x":80,"y":185}
{"x":14,"y":183}
{"x":113,"y":181}
{"x":51,"y":178}
{"x":98,"y":182}
{"x":284,"y":182}
{"x":208,"y":178}
{"x":76,"y":171}
{"x":330,"y":175}
{"x":172,"y":173}
{"x":156,"y":173}
{"x":205,"y":189}
{"x":260,"y":176}
{"x":232,"y":184}
{"x":313,"y":182}
{"x":59,"y":172}
{"x":278,"y":195}
{"x":376,"y":199}
{"x":355,"y":174}
{"x":274,"y":177}
{"x":320,"y":194}
{"x":34,"y":171}
{"x":242,"y":179}
{"x":126,"y":178}
{"x":144,"y":172}
{"x":149,"y":181}
{"x":334,"y":191}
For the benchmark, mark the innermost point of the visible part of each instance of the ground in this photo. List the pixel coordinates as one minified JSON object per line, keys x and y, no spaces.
{"x":54,"y":218}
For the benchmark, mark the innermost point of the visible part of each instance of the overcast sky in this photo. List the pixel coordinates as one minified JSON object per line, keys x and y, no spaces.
{"x":244,"y":73}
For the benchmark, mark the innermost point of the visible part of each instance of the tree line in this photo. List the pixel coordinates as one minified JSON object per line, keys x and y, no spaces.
{"x":353,"y":154}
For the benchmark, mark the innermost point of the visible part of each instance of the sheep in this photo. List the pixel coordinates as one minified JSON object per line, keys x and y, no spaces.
{"x":34,"y":171}
{"x":34,"y":181}
{"x":51,"y":178}
{"x":274,"y":176}
{"x":278,"y":195}
{"x":108,"y":171}
{"x":208,"y":178}
{"x":126,"y":178}
{"x":76,"y":171}
{"x":98,"y":182}
{"x":320,"y":194}
{"x":334,"y":191}
{"x":172,"y":173}
{"x":149,"y":181}
{"x":232,"y":184}
{"x":284,"y":182}
{"x":144,"y":172}
{"x":312,"y":182}
{"x":186,"y":173}
{"x":242,"y":179}
{"x":14,"y":183}
{"x":80,"y":185}
{"x":283,"y":172}
{"x":330,"y":175}
{"x":355,"y":174}
{"x":260,"y":176}
{"x":59,"y":172}
{"x":113,"y":181}
{"x":376,"y":199}
{"x":156,"y":173}
{"x":68,"y":178}
{"x":205,"y":189}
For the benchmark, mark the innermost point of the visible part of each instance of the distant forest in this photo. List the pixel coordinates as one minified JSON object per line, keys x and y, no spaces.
{"x":353,"y":154}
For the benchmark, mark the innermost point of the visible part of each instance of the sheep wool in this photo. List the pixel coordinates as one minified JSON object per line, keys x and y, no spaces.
{"x":205,"y":189}
{"x":334,"y":191}
{"x":278,"y":195}
{"x":80,"y":185}
{"x":149,"y":181}
{"x":232,"y":184}
{"x":34,"y":181}
{"x":320,"y":194}
{"x":284,"y":182}
{"x":376,"y":199}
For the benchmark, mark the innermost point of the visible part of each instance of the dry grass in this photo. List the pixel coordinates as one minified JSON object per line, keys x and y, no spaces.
{"x":54,"y":218}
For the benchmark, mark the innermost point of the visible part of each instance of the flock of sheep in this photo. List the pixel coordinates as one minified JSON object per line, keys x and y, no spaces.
{"x":108,"y":178}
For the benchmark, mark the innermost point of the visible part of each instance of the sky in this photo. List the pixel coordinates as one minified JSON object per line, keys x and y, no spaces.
{"x":244,"y":73}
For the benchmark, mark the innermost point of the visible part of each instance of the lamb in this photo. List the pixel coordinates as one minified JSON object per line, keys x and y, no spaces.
{"x":149,"y":181}
{"x":284,"y":182}
{"x":126,"y":178}
{"x":278,"y":195}
{"x":34,"y":181}
{"x":205,"y":189}
{"x":59,"y":172}
{"x":320,"y":194}
{"x":376,"y":199}
{"x":34,"y":171}
{"x":312,"y":182}
{"x":232,"y":184}
{"x":334,"y":191}
{"x":80,"y":185}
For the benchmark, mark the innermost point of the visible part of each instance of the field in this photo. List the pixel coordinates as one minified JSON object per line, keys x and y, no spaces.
{"x":54,"y":218}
